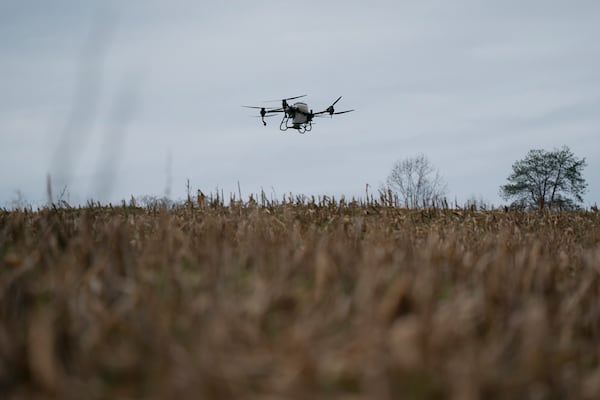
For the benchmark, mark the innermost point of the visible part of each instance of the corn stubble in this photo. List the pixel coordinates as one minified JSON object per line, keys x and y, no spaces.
{"x":298,"y":300}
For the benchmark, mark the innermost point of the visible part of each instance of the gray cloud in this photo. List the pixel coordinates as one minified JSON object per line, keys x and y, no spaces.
{"x":471,"y":84}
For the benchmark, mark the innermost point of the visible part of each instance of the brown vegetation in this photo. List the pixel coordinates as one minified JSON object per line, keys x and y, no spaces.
{"x":300,"y":300}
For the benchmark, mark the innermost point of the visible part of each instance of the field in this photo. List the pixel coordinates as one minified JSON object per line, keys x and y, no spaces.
{"x":299,"y":299}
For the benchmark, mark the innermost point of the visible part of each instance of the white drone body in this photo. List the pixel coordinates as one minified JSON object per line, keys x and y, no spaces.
{"x":301,"y":114}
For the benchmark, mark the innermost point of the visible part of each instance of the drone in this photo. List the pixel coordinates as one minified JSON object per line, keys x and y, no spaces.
{"x":297,"y":116}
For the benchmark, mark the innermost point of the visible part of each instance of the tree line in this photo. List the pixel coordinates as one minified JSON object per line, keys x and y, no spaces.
{"x":541,"y":180}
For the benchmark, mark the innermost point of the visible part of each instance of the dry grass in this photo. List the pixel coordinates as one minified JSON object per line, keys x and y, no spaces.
{"x":298,"y":301}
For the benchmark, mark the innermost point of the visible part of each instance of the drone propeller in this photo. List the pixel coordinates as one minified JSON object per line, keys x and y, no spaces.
{"x":284,"y":104}
{"x":342,"y":112}
{"x":330,"y":110}
{"x":263,"y":108}
{"x":295,"y":97}
{"x":289,"y":98}
{"x":265,"y":111}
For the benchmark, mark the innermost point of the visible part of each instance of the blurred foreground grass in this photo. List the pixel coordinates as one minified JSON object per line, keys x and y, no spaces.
{"x":298,"y":301}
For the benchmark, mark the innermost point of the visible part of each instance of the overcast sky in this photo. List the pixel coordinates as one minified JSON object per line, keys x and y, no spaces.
{"x":122,"y":98}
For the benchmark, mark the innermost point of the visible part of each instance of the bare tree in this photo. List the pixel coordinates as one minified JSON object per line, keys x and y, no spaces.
{"x":417,"y":181}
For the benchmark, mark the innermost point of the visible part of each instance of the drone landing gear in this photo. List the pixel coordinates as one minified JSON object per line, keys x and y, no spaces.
{"x":284,"y":126}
